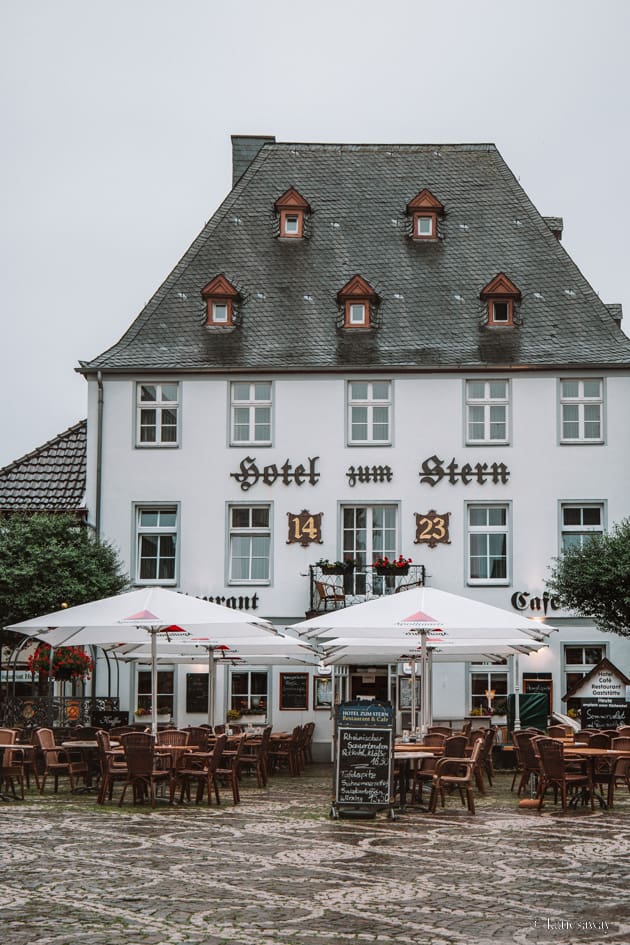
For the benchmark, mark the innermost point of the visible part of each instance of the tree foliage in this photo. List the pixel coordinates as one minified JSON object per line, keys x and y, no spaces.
{"x":594,"y":581}
{"x":50,"y":560}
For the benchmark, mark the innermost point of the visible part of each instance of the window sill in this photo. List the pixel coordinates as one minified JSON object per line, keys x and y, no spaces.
{"x":157,"y":446}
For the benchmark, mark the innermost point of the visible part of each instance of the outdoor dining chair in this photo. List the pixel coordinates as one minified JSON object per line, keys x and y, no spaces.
{"x":12,"y":769}
{"x":454,"y":747}
{"x":201,"y":767}
{"x":58,"y":761}
{"x":112,"y":766}
{"x":228,"y":765}
{"x":456,"y":773}
{"x":142,"y":771}
{"x":557,"y":774}
{"x":255,"y":756}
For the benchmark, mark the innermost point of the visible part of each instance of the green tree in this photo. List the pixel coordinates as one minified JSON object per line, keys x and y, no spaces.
{"x":594,"y":580}
{"x":50,"y":560}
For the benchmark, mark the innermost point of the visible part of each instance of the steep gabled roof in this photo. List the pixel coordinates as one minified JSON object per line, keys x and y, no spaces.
{"x":51,"y":478}
{"x":429,"y":314}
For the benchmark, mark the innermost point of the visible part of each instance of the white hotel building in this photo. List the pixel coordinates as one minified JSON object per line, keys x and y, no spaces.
{"x":368,"y":350}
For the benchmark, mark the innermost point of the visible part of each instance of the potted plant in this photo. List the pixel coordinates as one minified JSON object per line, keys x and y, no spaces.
{"x":387,"y":565}
{"x":68,"y":662}
{"x":232,"y":715}
{"x":335,"y":567}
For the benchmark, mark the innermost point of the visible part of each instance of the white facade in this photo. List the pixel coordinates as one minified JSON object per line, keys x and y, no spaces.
{"x":196,"y":479}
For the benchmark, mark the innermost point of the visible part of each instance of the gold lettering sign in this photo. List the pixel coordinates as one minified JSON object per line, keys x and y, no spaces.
{"x":432,"y":528}
{"x":305,"y":528}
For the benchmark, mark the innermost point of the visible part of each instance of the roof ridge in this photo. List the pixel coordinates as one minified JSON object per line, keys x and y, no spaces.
{"x":40,"y":449}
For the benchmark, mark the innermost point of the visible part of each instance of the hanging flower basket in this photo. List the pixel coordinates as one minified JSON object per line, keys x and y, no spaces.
{"x":68,"y":662}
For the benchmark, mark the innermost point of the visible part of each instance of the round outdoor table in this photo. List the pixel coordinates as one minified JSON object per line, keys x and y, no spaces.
{"x":404,"y":756}
{"x":591,"y":755}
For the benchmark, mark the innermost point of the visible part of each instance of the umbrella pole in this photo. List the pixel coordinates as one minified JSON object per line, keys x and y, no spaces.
{"x":423,"y":682}
{"x":153,"y":633}
{"x":211,"y":681}
{"x":517,"y":697}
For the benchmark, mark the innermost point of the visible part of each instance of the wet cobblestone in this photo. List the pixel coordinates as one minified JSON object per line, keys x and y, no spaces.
{"x":277,"y":870}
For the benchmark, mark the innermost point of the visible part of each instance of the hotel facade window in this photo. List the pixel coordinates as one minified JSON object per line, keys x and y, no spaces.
{"x":581,"y":411}
{"x":156,"y":544}
{"x":164,"y":694}
{"x":249,"y":544}
{"x":579,"y":659}
{"x":487,"y":543}
{"x":579,"y":523}
{"x":369,"y":412}
{"x":488,"y":686}
{"x":250,"y":413}
{"x":487,"y":412}
{"x":369,"y":532}
{"x":249,"y":691}
{"x":157,"y":414}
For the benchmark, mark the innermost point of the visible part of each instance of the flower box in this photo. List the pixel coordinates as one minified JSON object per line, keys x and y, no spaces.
{"x":391,"y":569}
{"x":332,"y":569}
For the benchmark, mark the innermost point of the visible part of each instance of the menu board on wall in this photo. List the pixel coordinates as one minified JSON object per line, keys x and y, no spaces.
{"x":602,"y":715}
{"x":294,"y":690}
{"x":196,"y":692}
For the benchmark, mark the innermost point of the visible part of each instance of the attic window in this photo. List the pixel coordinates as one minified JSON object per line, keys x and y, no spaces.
{"x":500,"y":296}
{"x":358,"y":301}
{"x":292,"y":210}
{"x":220,"y":297}
{"x":424,"y":210}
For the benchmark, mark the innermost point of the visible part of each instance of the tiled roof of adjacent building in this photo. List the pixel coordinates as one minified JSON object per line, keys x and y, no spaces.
{"x":51,"y":478}
{"x":430,"y":313}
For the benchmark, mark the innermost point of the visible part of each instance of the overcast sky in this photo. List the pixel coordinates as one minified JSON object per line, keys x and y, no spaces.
{"x":116,"y":118}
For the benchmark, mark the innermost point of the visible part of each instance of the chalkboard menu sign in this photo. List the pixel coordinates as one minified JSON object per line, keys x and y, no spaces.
{"x":196,"y":692}
{"x":363,"y":774}
{"x":294,"y":690}
{"x":596,"y":714}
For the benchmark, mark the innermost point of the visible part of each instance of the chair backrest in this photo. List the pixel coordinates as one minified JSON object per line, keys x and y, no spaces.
{"x":7,"y":736}
{"x":171,"y":736}
{"x":198,"y":736}
{"x":139,"y":753}
{"x":439,"y":730}
{"x":455,"y":746}
{"x":218,"y":748}
{"x":621,"y":743}
{"x":599,"y":740}
{"x":219,"y":729}
{"x":623,"y":730}
{"x":611,"y":732}
{"x":557,"y":731}
{"x":434,"y":738}
{"x":474,"y":734}
{"x":523,"y":742}
{"x":551,"y":754}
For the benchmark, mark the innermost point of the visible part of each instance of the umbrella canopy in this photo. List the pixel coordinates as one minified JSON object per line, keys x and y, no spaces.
{"x":437,"y":620}
{"x":139,"y":617}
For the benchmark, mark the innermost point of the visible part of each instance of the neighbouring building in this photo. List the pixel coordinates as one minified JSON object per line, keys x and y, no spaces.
{"x":369,"y":350}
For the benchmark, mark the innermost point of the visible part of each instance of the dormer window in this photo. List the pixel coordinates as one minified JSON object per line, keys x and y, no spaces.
{"x":292,"y":210}
{"x":357,"y":300}
{"x":220,"y":297}
{"x":500,"y":296}
{"x":424,"y":210}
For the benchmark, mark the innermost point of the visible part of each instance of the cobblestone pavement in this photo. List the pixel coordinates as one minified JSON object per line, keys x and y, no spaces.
{"x":277,"y":870}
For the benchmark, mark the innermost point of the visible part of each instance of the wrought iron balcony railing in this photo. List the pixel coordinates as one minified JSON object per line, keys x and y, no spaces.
{"x":332,"y":588}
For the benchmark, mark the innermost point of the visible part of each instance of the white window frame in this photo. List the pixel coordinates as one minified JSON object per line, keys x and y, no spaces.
{"x":160,"y":405}
{"x":365,"y":551}
{"x":489,"y":530}
{"x":224,"y":318}
{"x":369,"y":403}
{"x":353,"y":313}
{"x":252,"y":698}
{"x":158,"y":530}
{"x":580,"y":529}
{"x":488,"y":670}
{"x":291,"y":224}
{"x":581,"y":402}
{"x":249,"y":531}
{"x":487,"y":403}
{"x":251,"y":405}
{"x":420,"y":218}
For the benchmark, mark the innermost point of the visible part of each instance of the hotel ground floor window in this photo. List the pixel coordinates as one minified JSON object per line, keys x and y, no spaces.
{"x":579,"y":660}
{"x":165,"y":691}
{"x":488,"y":687}
{"x":369,"y":532}
{"x":249,"y":691}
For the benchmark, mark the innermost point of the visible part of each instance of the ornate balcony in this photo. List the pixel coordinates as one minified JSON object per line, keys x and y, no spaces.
{"x":331,"y":589}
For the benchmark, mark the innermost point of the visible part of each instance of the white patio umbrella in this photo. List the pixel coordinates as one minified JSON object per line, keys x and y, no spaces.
{"x":435,"y":619}
{"x":141,"y":616}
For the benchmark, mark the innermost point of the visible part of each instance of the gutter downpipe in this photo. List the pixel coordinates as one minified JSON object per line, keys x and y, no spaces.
{"x":99,"y":456}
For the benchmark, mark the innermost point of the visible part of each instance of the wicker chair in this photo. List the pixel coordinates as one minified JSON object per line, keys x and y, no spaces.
{"x":228,"y":765}
{"x":454,"y":747}
{"x":459,"y":773}
{"x":555,"y":773}
{"x":527,"y":761}
{"x":12,"y":762}
{"x":112,"y":766}
{"x":557,"y":731}
{"x":198,"y":735}
{"x":254,"y":756}
{"x":620,"y":771}
{"x":286,"y":751}
{"x":142,"y":772}
{"x":57,"y":761}
{"x":308,"y":732}
{"x":201,"y":767}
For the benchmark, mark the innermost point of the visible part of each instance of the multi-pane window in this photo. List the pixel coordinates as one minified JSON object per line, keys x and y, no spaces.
{"x":581,"y":409}
{"x":249,"y":692}
{"x":251,"y":413}
{"x":579,"y":523}
{"x":369,"y":409}
{"x":487,"y":405}
{"x":157,"y":407}
{"x":488,"y":544}
{"x":164,"y":694}
{"x":488,"y":690}
{"x":579,"y":660}
{"x":250,"y":544}
{"x":156,"y":537}
{"x":369,"y":532}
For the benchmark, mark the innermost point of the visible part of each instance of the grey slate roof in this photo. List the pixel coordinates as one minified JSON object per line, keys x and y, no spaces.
{"x":51,"y":478}
{"x":430,"y":312}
